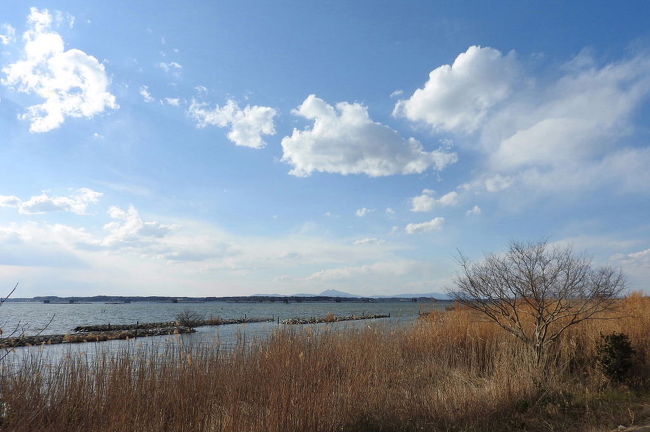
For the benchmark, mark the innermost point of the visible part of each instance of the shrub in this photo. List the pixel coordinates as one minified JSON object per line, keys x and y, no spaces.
{"x":189,"y":318}
{"x":615,"y":355}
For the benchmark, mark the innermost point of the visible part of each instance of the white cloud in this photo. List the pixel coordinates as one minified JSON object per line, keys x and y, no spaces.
{"x":146,"y":95}
{"x":247,"y":126}
{"x":394,"y":268}
{"x":173,"y":68}
{"x":573,"y":132}
{"x":434,"y":224}
{"x":368,"y":241}
{"x":173,"y":101}
{"x":64,"y":18}
{"x":427,"y":202}
{"x":578,"y":118}
{"x":140,"y":253}
{"x":363,"y":211}
{"x":390,"y":211}
{"x":636,"y":267}
{"x":44,"y":203}
{"x":641,"y":255}
{"x":345,"y":140}
{"x":9,"y":201}
{"x":457,"y":97}
{"x":474,"y":211}
{"x":7,"y":34}
{"x":128,"y":228}
{"x":497,"y":183}
{"x":72,"y":83}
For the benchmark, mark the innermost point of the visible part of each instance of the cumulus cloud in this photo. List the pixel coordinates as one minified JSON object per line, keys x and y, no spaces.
{"x":427,"y":201}
{"x":363,"y":211}
{"x":571,"y":132}
{"x":345,"y":140}
{"x":77,"y":203}
{"x":7,"y":34}
{"x":434,"y":224}
{"x":247,"y":126}
{"x":128,"y":228}
{"x":71,"y":82}
{"x":457,"y":97}
{"x":474,"y":211}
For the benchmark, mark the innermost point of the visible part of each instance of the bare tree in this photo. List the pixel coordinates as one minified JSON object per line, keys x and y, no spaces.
{"x":536,"y":291}
{"x":189,"y":318}
{"x":17,"y":332}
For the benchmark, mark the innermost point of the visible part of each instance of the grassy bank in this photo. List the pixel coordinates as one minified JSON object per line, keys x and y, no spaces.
{"x":450,"y":371}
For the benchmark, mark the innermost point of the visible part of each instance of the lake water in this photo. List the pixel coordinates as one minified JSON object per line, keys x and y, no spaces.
{"x":34,"y":316}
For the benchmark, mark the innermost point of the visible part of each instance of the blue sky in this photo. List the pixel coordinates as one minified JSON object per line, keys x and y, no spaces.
{"x":234,"y":148}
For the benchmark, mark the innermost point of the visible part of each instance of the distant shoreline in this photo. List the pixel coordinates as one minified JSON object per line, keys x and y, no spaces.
{"x":229,"y":299}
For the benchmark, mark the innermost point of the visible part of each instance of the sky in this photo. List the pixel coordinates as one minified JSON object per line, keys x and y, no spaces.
{"x":202,"y":148}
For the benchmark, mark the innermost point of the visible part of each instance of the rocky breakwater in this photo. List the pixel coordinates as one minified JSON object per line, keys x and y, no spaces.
{"x":333,"y":318}
{"x":168,"y":324}
{"x":98,"y":336}
{"x":106,"y":332}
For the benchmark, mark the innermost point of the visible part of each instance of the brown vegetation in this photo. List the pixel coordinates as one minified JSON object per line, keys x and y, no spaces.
{"x":452,"y":371}
{"x":536,"y":291}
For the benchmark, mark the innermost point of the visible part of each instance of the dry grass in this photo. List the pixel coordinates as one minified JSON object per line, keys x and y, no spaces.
{"x":450,"y":372}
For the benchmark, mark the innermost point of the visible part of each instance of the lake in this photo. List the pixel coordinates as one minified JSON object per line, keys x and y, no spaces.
{"x":34,"y":316}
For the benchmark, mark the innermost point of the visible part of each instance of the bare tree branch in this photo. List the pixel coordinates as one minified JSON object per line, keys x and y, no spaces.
{"x":536,"y":292}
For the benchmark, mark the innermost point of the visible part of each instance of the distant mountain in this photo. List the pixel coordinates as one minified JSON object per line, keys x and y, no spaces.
{"x":335,"y":293}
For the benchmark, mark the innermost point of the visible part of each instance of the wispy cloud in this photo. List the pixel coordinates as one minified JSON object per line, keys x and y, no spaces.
{"x":434,"y":224}
{"x":44,"y":203}
{"x":7,"y":34}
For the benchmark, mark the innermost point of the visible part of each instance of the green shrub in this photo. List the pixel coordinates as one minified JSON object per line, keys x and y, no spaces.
{"x":615,"y":356}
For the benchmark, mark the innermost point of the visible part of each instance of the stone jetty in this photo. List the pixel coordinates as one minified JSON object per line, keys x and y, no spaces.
{"x":105,"y":332}
{"x":90,"y":336}
{"x":155,"y":325}
{"x":333,"y":318}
